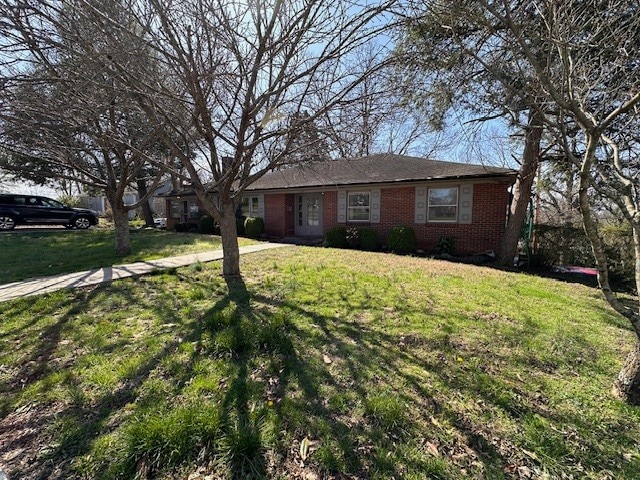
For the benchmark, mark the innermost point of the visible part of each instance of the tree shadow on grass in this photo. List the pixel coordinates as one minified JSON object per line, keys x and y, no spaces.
{"x":53,"y":433}
{"x":278,"y":381}
{"x":242,"y":447}
{"x":41,"y":360}
{"x":371,"y":356}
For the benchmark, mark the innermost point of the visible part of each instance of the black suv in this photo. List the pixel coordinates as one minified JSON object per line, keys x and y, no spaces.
{"x":36,"y":210}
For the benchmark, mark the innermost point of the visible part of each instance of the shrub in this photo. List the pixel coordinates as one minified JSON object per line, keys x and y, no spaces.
{"x":402,"y":240}
{"x":185,"y":227}
{"x":444,"y":245}
{"x":353,"y":237}
{"x":208,"y":226}
{"x":240,"y":224}
{"x":362,"y":238}
{"x":254,"y":227}
{"x":568,"y":245}
{"x":70,"y":201}
{"x":368,"y":239}
{"x":108,"y":214}
{"x":618,"y":245}
{"x":564,"y":245}
{"x":336,"y":237}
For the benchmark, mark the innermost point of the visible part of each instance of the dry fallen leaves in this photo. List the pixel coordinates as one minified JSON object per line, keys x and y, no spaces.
{"x":306,"y":447}
{"x":432,"y":448}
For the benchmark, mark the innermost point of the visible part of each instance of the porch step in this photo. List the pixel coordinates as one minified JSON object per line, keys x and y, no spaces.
{"x":315,"y":241}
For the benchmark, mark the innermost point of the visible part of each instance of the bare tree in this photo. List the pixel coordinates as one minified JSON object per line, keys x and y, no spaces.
{"x":378,"y":119}
{"x":239,"y":71}
{"x":64,"y":115}
{"x":580,"y":59}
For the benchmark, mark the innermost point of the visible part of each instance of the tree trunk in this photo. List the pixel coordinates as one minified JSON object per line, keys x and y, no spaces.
{"x":147,"y":214}
{"x":627,"y":385}
{"x":229,"y":233}
{"x":522,"y":188}
{"x":121,"y":224}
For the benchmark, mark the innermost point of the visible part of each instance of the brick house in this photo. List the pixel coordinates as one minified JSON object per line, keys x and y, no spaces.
{"x":435,"y":198}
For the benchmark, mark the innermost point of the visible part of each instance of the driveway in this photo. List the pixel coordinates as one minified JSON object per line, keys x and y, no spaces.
{"x":35,"y":229}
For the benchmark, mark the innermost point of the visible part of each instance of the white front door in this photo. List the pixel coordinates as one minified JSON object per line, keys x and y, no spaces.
{"x":309,"y":215}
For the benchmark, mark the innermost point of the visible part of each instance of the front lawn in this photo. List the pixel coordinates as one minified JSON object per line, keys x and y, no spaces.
{"x":322,"y":364}
{"x":37,"y":254}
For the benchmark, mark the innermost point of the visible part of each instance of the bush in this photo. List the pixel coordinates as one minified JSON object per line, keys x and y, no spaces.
{"x":208,"y":226}
{"x":336,"y":237}
{"x":254,"y":227}
{"x":444,"y":245}
{"x":108,"y":214}
{"x":402,"y":240}
{"x":70,"y":201}
{"x":618,"y":245}
{"x":185,"y":227}
{"x":563,"y":245}
{"x":567,"y":245}
{"x":353,"y":238}
{"x":368,"y":239}
{"x":240,"y":224}
{"x":362,"y":238}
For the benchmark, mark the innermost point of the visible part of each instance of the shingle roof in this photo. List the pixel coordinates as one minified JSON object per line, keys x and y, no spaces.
{"x":382,"y":168}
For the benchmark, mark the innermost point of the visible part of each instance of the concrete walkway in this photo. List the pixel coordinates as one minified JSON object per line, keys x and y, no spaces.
{"x":39,"y":286}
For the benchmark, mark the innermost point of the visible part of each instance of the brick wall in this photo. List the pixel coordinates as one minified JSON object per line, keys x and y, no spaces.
{"x":490,"y":202}
{"x":329,"y":209}
{"x":275,"y":215}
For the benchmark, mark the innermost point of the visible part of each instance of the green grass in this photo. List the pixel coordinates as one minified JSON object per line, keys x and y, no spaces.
{"x":389,"y":366}
{"x":34,"y":254}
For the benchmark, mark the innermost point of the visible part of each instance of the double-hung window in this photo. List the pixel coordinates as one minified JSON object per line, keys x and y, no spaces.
{"x":250,"y":206}
{"x":359,"y":206}
{"x":442,"y":205}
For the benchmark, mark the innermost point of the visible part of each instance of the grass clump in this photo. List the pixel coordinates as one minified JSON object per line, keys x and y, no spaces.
{"x":387,"y":411}
{"x":170,"y":437}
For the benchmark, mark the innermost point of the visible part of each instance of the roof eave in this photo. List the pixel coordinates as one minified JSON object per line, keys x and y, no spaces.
{"x":497,"y":176}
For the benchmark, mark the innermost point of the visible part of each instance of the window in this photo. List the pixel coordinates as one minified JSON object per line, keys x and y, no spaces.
{"x":443,"y":205}
{"x":358,"y":206}
{"x":49,"y":203}
{"x":175,"y":209}
{"x":250,"y":207}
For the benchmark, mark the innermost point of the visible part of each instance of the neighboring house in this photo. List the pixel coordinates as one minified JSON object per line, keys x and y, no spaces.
{"x":435,"y":198}
{"x":101,"y":205}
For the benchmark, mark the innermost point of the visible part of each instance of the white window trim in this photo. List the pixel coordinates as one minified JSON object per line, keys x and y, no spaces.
{"x":457,"y":205}
{"x":360,"y":192}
